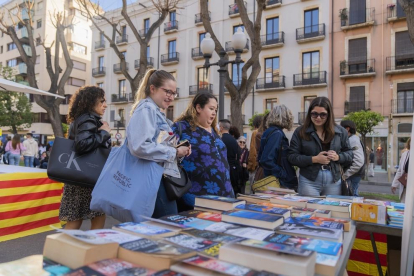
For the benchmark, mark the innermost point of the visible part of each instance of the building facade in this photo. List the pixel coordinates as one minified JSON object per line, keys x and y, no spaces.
{"x":79,"y":39}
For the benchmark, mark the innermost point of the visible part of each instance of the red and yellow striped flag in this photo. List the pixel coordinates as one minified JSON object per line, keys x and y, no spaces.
{"x":29,"y":204}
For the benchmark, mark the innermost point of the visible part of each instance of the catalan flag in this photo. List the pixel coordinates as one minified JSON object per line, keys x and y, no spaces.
{"x":29,"y":204}
{"x":362,"y":260}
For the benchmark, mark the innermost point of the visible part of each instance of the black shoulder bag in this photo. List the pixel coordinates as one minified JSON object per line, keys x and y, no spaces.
{"x":177,"y":187}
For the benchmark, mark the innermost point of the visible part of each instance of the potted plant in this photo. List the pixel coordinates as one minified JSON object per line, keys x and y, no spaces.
{"x":370,"y":69}
{"x":342,"y":66}
{"x":343,"y":14}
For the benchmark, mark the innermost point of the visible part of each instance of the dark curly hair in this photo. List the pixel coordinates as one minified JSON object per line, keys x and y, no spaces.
{"x":83,"y":101}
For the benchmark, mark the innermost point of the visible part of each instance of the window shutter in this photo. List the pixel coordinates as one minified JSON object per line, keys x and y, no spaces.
{"x":400,"y":11}
{"x":357,"y":50}
{"x":405,"y":128}
{"x":403,"y":45}
{"x":112,"y":116}
{"x":405,"y":86}
{"x":357,"y":11}
{"x":357,"y":94}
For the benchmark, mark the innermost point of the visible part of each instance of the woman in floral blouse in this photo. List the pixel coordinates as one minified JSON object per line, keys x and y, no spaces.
{"x":207,"y":166}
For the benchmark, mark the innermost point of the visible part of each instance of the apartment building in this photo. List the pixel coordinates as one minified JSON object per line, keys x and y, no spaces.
{"x":79,"y":39}
{"x":294,"y":59}
{"x":373,"y":69}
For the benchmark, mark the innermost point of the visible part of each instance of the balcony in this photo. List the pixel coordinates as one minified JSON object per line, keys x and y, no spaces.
{"x":22,"y":69}
{"x":99,"y":45}
{"x":170,"y":27}
{"x":270,"y":4}
{"x":170,"y":58}
{"x":234,"y":10}
{"x":119,"y":124}
{"x":122,"y":39}
{"x":310,"y":80}
{"x":205,"y":87}
{"x":118,"y":69}
{"x":196,"y":53}
{"x":310,"y":33}
{"x":353,"y":106}
{"x":142,"y":33}
{"x":395,"y":13}
{"x":402,"y":106}
{"x":150,"y":63}
{"x":26,"y":15}
{"x":28,"y":50}
{"x":243,"y":118}
{"x":198,"y":21}
{"x":230,"y":49}
{"x":120,"y":98}
{"x":273,"y":40}
{"x":23,"y":35}
{"x":357,"y":19}
{"x":301,"y":117}
{"x":270,"y":83}
{"x":399,"y":65}
{"x":98,"y":72}
{"x":357,"y":69}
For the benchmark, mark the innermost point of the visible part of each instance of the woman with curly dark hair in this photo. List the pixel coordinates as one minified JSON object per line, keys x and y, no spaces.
{"x":86,"y":108}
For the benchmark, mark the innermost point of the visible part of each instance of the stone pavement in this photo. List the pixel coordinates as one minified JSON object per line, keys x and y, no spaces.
{"x":379,"y":179}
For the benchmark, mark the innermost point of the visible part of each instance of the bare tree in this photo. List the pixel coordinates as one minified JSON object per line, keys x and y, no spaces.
{"x":239,"y":94}
{"x":9,"y":27}
{"x":408,"y":7}
{"x":95,"y":14}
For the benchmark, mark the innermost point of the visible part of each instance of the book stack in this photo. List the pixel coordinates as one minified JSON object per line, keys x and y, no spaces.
{"x":339,"y":209}
{"x":395,"y":212}
{"x":372,"y":211}
{"x":216,"y":204}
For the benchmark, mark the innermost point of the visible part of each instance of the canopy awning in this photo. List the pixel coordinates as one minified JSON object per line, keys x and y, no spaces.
{"x":6,"y":85}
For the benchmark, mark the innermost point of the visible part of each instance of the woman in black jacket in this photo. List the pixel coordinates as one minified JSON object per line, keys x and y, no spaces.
{"x":319,"y":148}
{"x":86,"y":107}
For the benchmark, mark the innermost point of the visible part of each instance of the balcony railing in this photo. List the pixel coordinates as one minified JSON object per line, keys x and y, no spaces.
{"x":196,"y":53}
{"x":99,"y":71}
{"x":270,"y":3}
{"x":312,"y":78}
{"x":301,"y":117}
{"x":99,"y":45}
{"x":120,"y":124}
{"x":194,"y":89}
{"x":395,"y":11}
{"x":22,"y":69}
{"x":150,"y":62}
{"x":122,"y":39}
{"x":28,"y":50}
{"x":399,"y":63}
{"x":117,"y":68}
{"x":270,"y":82}
{"x":118,"y":98}
{"x":143,"y":32}
{"x":402,"y":106}
{"x":243,"y":118}
{"x":230,"y":48}
{"x":234,"y":9}
{"x":357,"y":67}
{"x":272,"y":39}
{"x":23,"y":33}
{"x":171,"y":26}
{"x":355,"y":106}
{"x":172,"y":57}
{"x":348,"y":19}
{"x":308,"y":32}
{"x":198,"y":19}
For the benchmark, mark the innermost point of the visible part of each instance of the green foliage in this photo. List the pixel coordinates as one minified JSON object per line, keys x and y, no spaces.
{"x":254,"y":116}
{"x":365,"y":120}
{"x":65,"y":128}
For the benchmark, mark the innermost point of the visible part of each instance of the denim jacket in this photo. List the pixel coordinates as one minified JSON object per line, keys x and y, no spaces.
{"x":143,"y":129}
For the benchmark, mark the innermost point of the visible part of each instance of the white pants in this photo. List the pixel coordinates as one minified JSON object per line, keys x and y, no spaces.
{"x":371,"y":169}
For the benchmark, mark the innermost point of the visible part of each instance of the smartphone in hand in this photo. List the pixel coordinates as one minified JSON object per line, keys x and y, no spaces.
{"x":184,"y":143}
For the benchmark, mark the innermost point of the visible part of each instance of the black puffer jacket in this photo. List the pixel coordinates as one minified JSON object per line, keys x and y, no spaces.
{"x":85,"y":131}
{"x":301,"y":151}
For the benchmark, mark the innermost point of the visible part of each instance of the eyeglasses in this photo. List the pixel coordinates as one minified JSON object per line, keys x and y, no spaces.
{"x":241,"y":142}
{"x":170,"y":93}
{"x":315,"y":115}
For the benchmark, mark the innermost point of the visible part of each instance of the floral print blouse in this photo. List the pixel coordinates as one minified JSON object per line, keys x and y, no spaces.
{"x":207,"y":166}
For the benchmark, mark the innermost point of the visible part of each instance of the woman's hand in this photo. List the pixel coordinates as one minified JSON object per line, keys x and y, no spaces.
{"x":183,"y":151}
{"x":321,"y":158}
{"x":332,"y":155}
{"x":244,"y":165}
{"x":105,"y":127}
{"x":393,"y":189}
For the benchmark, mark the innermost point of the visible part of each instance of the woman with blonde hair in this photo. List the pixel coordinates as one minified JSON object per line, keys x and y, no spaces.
{"x":148,"y":125}
{"x":207,"y":165}
{"x":403,"y":168}
{"x":274,"y":147}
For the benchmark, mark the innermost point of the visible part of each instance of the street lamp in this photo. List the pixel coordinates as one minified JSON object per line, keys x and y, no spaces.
{"x":207,"y":48}
{"x":117,"y":119}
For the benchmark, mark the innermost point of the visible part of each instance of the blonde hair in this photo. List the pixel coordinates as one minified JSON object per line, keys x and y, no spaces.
{"x":408,"y":144}
{"x":152,"y":77}
{"x":280,"y":116}
{"x":190,"y":114}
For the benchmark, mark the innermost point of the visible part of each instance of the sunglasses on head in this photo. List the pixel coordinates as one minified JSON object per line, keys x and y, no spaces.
{"x":322,"y":115}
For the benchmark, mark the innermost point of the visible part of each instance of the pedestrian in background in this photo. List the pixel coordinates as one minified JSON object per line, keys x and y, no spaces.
{"x":402,"y":169}
{"x":244,"y":173}
{"x":319,"y":147}
{"x":6,"y":152}
{"x":371,"y":163}
{"x":15,"y":149}
{"x":31,"y":152}
{"x":252,"y":163}
{"x":234,"y":131}
{"x":259,"y":172}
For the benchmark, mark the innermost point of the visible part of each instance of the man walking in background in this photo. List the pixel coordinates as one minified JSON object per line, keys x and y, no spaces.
{"x":371,"y":163}
{"x":32,"y":150}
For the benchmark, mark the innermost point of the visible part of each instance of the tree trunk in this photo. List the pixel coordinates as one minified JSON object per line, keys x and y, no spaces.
{"x":408,"y":7}
{"x":236,"y":113}
{"x":55,"y":120}
{"x":14,"y":128}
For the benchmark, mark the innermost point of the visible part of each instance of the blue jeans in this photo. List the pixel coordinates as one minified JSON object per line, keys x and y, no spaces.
{"x":354,"y":180}
{"x":164,"y":206}
{"x":28,"y":161}
{"x":323,"y":185}
{"x":14,"y":159}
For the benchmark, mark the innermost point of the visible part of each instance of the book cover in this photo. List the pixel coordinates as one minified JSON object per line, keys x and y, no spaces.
{"x":301,"y":215}
{"x":276,"y":247}
{"x":208,"y":247}
{"x":330,"y":202}
{"x":100,"y":236}
{"x":395,"y":214}
{"x":324,"y":212}
{"x":253,"y":215}
{"x":292,"y":198}
{"x":212,"y":236}
{"x":219,"y":198}
{"x":398,"y":206}
{"x":327,"y":260}
{"x":264,"y":209}
{"x":313,"y":231}
{"x":239,"y":231}
{"x":168,"y":272}
{"x":84,"y":271}
{"x":314,"y":222}
{"x":274,"y":205}
{"x":202,"y":215}
{"x":303,"y":210}
{"x":143,"y":229}
{"x":369,"y":213}
{"x":54,"y":268}
{"x":345,"y":198}
{"x":188,"y":221}
{"x":115,"y":267}
{"x":256,"y":196}
{"x":152,"y":247}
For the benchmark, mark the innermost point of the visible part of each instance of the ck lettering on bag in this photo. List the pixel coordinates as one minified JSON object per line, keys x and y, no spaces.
{"x":71,"y":160}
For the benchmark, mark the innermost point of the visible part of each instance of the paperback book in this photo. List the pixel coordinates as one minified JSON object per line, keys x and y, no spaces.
{"x":255,"y":198}
{"x":217,"y":202}
{"x":142,"y":230}
{"x":200,"y":245}
{"x":301,"y":215}
{"x":369,"y":213}
{"x":212,"y":236}
{"x":338,"y":206}
{"x":291,"y":200}
{"x":265,"y":209}
{"x":239,"y":230}
{"x":345,"y":198}
{"x":314,"y":222}
{"x":326,"y":265}
{"x":346,"y":223}
{"x":303,"y":230}
{"x":54,"y":268}
{"x":323,"y":213}
{"x":100,"y":236}
{"x":276,"y":247}
{"x":188,"y":222}
{"x":202,"y":215}
{"x":168,"y":272}
{"x":255,"y":219}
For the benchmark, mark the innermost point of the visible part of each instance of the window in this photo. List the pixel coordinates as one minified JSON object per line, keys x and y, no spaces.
{"x":40,"y":118}
{"x":1,"y":49}
{"x":12,"y":62}
{"x":310,"y":67}
{"x":122,"y":88}
{"x":270,"y":103}
{"x":100,"y":84}
{"x":405,"y":128}
{"x":121,"y":113}
{"x":170,"y":113}
{"x":172,"y":49}
{"x":272,"y":29}
{"x":401,"y":146}
{"x":146,"y":25}
{"x":148,"y":51}
{"x":201,"y":37}
{"x":124,"y":53}
{"x":75,"y":82}
{"x":101,"y":62}
{"x":173,"y":16}
{"x":356,"y":99}
{"x":174,"y":74}
{"x":79,"y":65}
{"x":201,"y":77}
{"x":272,"y":70}
{"x":237,"y":74}
{"x":357,"y":55}
{"x":312,"y":23}
{"x":400,"y":11}
{"x":38,"y":41}
{"x":101,"y":37}
{"x":77,"y":48}
{"x":67,"y":99}
{"x":11,"y":46}
{"x":37,"y":59}
{"x":357,"y":11}
{"x":403,"y":45}
{"x":123,"y":31}
{"x":40,"y":5}
{"x":235,"y":28}
{"x":307,"y":101}
{"x":405,"y":97}
{"x":39,"y":23}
